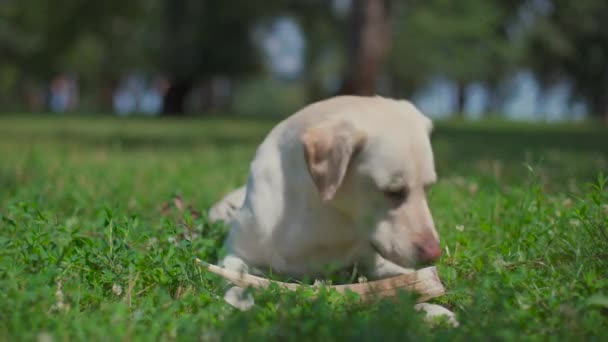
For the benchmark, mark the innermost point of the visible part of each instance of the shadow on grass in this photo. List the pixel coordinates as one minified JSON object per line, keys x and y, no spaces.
{"x":133,"y":133}
{"x":511,"y":144}
{"x":142,"y":142}
{"x":458,"y":147}
{"x":559,"y":155}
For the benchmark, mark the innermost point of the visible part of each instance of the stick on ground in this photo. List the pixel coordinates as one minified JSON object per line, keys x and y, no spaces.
{"x":424,"y":282}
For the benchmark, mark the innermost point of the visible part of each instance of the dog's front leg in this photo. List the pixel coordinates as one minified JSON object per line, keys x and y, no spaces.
{"x":378,"y":267}
{"x":235,"y":295}
{"x":433,"y":310}
{"x":225,"y":209}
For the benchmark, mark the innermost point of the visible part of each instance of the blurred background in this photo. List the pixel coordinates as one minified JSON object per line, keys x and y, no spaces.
{"x":519,"y":59}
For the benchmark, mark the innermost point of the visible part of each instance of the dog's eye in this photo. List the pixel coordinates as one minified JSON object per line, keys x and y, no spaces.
{"x":396,"y":196}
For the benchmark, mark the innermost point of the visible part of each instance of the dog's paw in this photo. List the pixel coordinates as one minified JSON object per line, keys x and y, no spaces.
{"x":239,"y":298}
{"x":222,"y":211}
{"x":225,"y":209}
{"x":434,"y":311}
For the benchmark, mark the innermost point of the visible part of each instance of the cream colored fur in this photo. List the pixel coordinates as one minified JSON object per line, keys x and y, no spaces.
{"x":340,"y":182}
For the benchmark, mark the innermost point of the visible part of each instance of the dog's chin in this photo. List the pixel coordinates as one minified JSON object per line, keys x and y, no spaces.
{"x":403,"y":261}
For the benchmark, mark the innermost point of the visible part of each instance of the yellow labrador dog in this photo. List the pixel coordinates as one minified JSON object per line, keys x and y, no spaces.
{"x":341,"y":182}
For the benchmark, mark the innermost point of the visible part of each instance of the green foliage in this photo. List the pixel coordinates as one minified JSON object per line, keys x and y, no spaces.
{"x":208,"y":38}
{"x":90,"y":248}
{"x":38,"y":35}
{"x":286,"y":98}
{"x":570,"y":42}
{"x":460,"y":40}
{"x":194,"y":41}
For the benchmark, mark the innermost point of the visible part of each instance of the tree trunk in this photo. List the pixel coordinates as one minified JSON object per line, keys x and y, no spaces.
{"x":175,"y":98}
{"x":34,"y":96}
{"x":105,"y":91}
{"x":598,"y":103}
{"x":604,"y":114}
{"x":492,"y":107}
{"x":368,"y":43}
{"x":460,"y":99}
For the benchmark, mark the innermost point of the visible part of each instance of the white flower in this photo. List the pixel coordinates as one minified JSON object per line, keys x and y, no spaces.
{"x":117,"y":289}
{"x":45,"y":337}
{"x":473,"y":188}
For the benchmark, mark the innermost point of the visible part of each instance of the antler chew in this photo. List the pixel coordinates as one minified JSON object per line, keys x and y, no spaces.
{"x":425,"y":282}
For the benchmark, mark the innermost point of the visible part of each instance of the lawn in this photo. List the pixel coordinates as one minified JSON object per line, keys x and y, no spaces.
{"x":101,"y":219}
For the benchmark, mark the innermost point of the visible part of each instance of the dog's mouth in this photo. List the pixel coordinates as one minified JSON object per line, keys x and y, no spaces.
{"x":383,"y":253}
{"x":378,"y":250}
{"x":409,"y":263}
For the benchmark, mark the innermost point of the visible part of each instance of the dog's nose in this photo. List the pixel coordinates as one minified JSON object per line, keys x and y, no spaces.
{"x":428,"y":250}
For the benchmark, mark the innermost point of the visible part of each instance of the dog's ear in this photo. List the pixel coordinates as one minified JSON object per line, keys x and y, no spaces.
{"x":328,"y":149}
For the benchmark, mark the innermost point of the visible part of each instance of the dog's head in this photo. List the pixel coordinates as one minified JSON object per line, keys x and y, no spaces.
{"x":377,"y":172}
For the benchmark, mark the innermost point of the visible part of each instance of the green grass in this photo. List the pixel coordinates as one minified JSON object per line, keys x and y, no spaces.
{"x":91,"y":250}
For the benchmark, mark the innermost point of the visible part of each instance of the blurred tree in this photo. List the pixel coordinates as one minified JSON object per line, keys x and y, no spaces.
{"x":205,"y":39}
{"x":571,"y":42}
{"x":368,"y":43}
{"x":42,"y":38}
{"x":346,"y":41}
{"x":464,"y":41}
{"x":321,"y":28}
